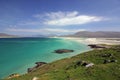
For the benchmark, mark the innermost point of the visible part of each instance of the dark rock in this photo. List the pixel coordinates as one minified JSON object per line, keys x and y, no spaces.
{"x":84,"y":63}
{"x":106,"y":55}
{"x":63,"y":51}
{"x":79,"y":63}
{"x":113,"y":60}
{"x":13,"y":75}
{"x":105,"y":61}
{"x":109,"y":61}
{"x":38,"y":64}
{"x":30,"y":70}
{"x":96,"y":46}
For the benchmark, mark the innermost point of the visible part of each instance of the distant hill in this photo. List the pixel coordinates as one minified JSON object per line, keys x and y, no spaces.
{"x":6,"y":35}
{"x":98,"y":34}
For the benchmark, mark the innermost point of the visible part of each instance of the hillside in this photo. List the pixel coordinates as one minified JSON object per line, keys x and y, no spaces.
{"x":106,"y":67}
{"x":6,"y":35}
{"x":98,"y":34}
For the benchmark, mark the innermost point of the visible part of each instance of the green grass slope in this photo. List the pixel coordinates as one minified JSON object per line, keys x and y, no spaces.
{"x":67,"y":69}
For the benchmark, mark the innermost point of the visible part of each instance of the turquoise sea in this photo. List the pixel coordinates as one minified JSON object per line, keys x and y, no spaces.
{"x":18,"y":54}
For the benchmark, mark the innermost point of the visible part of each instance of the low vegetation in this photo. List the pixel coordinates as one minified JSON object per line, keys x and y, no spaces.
{"x":106,"y":67}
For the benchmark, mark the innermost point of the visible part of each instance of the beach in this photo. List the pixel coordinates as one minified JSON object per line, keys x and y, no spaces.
{"x":107,"y":41}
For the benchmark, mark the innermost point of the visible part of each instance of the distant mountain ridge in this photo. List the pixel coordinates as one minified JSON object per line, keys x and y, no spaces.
{"x":97,"y":34}
{"x":85,"y":34}
{"x":6,"y":35}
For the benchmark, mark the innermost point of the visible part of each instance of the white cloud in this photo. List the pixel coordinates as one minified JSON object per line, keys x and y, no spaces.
{"x":46,"y":30}
{"x":61,"y":15}
{"x":62,"y":19}
{"x":64,"y":30}
{"x":73,"y":21}
{"x":69,"y":18}
{"x":56,"y":15}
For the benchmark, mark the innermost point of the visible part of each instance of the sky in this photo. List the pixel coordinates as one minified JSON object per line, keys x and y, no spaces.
{"x":35,"y":17}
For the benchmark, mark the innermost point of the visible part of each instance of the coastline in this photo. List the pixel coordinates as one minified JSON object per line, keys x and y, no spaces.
{"x":107,"y":41}
{"x":87,"y":41}
{"x":99,"y":61}
{"x":60,"y":44}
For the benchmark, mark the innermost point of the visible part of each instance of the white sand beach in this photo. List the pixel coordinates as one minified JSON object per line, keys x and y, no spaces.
{"x":109,"y":41}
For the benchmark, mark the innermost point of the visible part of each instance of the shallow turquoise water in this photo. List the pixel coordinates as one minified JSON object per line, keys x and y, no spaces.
{"x":18,"y":54}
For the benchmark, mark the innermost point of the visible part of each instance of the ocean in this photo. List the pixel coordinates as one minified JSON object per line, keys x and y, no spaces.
{"x":19,"y":54}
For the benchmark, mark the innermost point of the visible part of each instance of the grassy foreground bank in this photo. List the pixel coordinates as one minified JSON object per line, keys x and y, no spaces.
{"x":106,"y":67}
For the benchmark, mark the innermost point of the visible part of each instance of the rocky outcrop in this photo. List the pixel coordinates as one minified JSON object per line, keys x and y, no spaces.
{"x":109,"y":61}
{"x":13,"y":75}
{"x":60,"y":51}
{"x":80,"y":63}
{"x":38,"y":64}
{"x":96,"y":46}
{"x":107,"y":55}
{"x":86,"y":64}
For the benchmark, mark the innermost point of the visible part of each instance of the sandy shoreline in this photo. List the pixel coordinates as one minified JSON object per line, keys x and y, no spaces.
{"x":108,"y":41}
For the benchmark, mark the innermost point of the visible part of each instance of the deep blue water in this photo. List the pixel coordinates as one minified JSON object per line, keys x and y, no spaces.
{"x":18,"y":54}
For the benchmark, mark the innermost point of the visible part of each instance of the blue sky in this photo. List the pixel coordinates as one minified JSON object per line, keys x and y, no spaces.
{"x":31,"y":17}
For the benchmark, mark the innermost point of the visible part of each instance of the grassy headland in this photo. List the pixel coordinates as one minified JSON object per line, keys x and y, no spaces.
{"x":106,"y":67}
